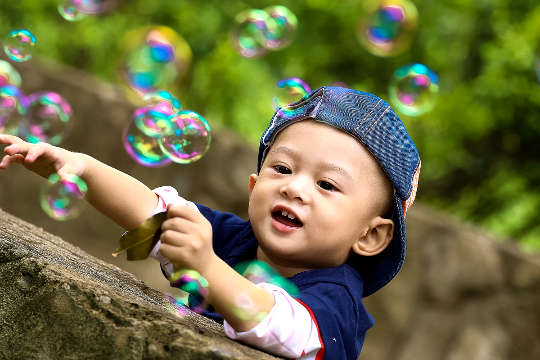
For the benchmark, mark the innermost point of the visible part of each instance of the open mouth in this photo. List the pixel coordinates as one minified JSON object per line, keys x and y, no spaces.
{"x":286,"y":218}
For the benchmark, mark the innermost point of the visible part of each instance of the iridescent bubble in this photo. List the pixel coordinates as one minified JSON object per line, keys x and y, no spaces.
{"x":68,"y":11}
{"x":142,"y":148}
{"x":63,"y":198}
{"x":389,"y":29}
{"x":258,"y":271}
{"x":284,"y":29}
{"x":176,"y":305}
{"x":289,"y":91}
{"x":47,"y":119}
{"x":155,"y":58}
{"x":13,"y":107}
{"x":19,"y":45}
{"x":244,"y":308}
{"x":250,"y":29}
{"x":8,"y":75}
{"x":153,"y":119}
{"x":190,"y":139}
{"x":413,"y":89}
{"x":194,"y":284}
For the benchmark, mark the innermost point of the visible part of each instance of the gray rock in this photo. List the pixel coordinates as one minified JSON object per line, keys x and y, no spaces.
{"x":58,"y":302}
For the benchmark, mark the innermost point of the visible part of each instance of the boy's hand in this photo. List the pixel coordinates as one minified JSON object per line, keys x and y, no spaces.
{"x":186,"y":239}
{"x":42,"y":158}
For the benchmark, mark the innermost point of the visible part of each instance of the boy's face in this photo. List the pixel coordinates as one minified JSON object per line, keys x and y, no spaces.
{"x":328,"y":183}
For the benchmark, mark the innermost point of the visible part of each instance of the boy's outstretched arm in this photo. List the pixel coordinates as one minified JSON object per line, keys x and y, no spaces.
{"x":122,"y":198}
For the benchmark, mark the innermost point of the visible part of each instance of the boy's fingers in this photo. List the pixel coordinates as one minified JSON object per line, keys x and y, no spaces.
{"x":176,"y":224}
{"x":183,"y":211}
{"x":8,"y":159}
{"x":9,"y":139}
{"x":35,"y":152}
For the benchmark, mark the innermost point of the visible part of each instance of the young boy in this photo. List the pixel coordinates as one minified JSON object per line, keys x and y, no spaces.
{"x":336,"y":173}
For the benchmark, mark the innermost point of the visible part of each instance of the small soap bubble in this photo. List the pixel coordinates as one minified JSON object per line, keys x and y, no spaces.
{"x":47,"y":119}
{"x":153,"y":119}
{"x":19,"y":45}
{"x":290,"y":90}
{"x":194,"y":284}
{"x":144,"y":149}
{"x":190,"y":139}
{"x":93,"y":7}
{"x":258,"y":271}
{"x":8,"y":75}
{"x":389,"y":29}
{"x":63,"y":198}
{"x":413,"y":89}
{"x":68,"y":11}
{"x":250,"y":30}
{"x":155,"y":58}
{"x":284,"y":29}
{"x":13,"y":107}
{"x":244,"y":308}
{"x":176,"y":305}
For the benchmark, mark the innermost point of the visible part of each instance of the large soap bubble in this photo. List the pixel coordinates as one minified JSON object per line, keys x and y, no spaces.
{"x":142,"y":148}
{"x":63,"y":198}
{"x":156,"y":57}
{"x":48,"y":118}
{"x":389,"y":29}
{"x":19,"y":45}
{"x":13,"y":107}
{"x":284,"y":29}
{"x":190,"y":139}
{"x":413,"y":89}
{"x":256,"y":31}
{"x":195,"y":285}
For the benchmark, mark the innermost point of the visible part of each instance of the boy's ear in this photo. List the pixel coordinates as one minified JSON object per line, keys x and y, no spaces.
{"x":252,"y":181}
{"x":376,"y":238}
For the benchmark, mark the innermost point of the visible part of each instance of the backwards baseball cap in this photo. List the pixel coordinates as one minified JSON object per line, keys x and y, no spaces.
{"x":371,"y":121}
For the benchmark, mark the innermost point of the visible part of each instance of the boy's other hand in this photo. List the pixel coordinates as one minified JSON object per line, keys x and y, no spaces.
{"x":42,"y":158}
{"x":186,"y":239}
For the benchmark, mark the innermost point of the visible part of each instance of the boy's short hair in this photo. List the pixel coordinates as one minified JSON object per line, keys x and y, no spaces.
{"x":371,"y":121}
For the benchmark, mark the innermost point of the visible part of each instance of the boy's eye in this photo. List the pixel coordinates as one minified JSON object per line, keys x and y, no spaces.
{"x":282,"y":169}
{"x":326,"y":185}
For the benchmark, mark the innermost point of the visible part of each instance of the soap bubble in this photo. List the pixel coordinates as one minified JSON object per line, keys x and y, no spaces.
{"x":153,"y":118}
{"x":244,"y":308}
{"x":8,"y":75}
{"x":190,"y":138}
{"x":258,"y":271}
{"x":62,"y":198}
{"x":389,"y":29}
{"x":68,"y":11}
{"x":413,"y":89}
{"x":19,"y":45}
{"x":13,"y":107}
{"x":256,"y":31}
{"x":144,"y":149}
{"x":156,"y":57}
{"x":195,"y":284}
{"x":47,"y":119}
{"x":290,"y":90}
{"x":93,"y":7}
{"x":538,"y":70}
{"x":249,"y":31}
{"x":285,"y":29}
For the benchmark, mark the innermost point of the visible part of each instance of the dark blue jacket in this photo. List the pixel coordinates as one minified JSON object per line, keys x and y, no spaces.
{"x":333,"y":295}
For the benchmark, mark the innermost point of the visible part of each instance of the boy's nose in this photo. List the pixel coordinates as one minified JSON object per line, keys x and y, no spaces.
{"x":296,"y":188}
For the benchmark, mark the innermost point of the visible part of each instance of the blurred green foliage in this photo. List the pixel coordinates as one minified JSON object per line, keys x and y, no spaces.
{"x":479,"y":146}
